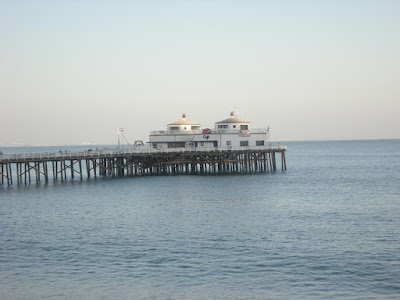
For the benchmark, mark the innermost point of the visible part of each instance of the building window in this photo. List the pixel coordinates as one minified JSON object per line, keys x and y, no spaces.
{"x":223,"y":126}
{"x":259,"y":143}
{"x":244,"y":143}
{"x":234,"y":126}
{"x":244,"y":127}
{"x":228,"y":143}
{"x":202,"y":144}
{"x":176,"y":145}
{"x":195,"y":127}
{"x":174,"y":128}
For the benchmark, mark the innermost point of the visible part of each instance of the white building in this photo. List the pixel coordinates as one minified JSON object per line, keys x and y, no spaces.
{"x":231,"y":132}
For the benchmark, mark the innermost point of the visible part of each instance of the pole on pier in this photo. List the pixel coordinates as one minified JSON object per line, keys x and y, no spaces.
{"x":80,"y":168}
{"x":8,"y":174}
{"x":284,"y":159}
{"x":17,"y":167}
{"x":29,"y":172}
{"x":72,"y":168}
{"x":45,"y":172}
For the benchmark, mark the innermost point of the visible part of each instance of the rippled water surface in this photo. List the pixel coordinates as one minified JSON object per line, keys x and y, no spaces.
{"x":328,"y":227}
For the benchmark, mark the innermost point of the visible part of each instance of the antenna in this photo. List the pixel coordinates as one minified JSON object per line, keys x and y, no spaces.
{"x":120,"y":132}
{"x":235,"y":110}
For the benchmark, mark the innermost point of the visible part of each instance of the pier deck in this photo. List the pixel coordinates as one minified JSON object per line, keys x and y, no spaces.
{"x":61,"y":166}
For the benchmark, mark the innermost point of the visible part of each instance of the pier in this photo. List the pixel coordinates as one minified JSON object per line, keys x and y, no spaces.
{"x":62,"y":166}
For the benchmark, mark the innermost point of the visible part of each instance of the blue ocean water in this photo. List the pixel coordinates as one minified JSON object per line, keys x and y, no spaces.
{"x":328,"y":227}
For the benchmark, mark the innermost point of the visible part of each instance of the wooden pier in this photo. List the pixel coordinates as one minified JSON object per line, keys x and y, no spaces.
{"x":63,"y":166}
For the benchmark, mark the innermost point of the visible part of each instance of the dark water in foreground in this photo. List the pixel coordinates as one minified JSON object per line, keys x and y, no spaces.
{"x":329,"y":227}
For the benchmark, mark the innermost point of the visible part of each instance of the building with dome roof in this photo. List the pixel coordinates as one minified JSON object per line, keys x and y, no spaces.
{"x":232,"y":123}
{"x":183,"y":125}
{"x":229,"y":133}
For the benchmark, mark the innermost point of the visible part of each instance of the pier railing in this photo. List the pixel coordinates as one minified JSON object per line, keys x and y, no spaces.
{"x":133,"y":151}
{"x":139,"y":161}
{"x":175,"y":132}
{"x":211,"y":131}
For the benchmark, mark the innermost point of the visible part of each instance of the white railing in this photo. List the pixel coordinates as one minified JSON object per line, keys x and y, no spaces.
{"x":259,"y":130}
{"x":177,"y":132}
{"x":238,"y":131}
{"x":127,"y":151}
{"x":212,"y":131}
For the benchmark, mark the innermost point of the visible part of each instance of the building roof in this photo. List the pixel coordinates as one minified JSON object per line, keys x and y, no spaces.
{"x":232,"y":120}
{"x":184,"y":122}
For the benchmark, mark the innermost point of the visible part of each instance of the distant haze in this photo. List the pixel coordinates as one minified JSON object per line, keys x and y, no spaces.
{"x":72,"y":72}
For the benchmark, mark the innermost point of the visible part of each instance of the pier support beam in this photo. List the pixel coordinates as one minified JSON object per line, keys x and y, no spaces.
{"x":140,"y":164}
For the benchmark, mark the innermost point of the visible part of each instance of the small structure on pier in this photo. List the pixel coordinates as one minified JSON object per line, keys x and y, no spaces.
{"x":230,"y":132}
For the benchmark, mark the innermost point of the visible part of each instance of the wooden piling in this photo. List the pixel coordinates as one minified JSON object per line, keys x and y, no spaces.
{"x":141,"y":164}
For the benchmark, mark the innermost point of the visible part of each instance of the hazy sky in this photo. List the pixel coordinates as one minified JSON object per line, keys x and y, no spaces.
{"x":74,"y":71}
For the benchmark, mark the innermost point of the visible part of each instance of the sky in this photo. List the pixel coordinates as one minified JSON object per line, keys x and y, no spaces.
{"x":72,"y":72}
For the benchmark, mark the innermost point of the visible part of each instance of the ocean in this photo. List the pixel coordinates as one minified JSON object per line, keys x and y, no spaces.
{"x":327,"y":228}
